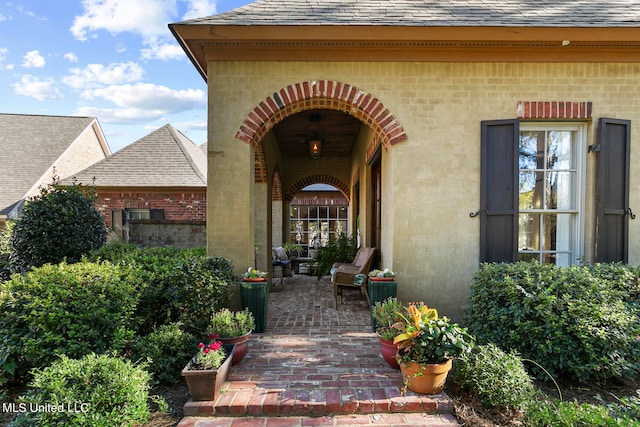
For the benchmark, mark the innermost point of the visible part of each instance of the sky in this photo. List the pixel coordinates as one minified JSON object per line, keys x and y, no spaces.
{"x":111,"y":59}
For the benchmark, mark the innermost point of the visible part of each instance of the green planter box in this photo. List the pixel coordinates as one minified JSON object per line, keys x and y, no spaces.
{"x":380,"y":291}
{"x":254,"y":297}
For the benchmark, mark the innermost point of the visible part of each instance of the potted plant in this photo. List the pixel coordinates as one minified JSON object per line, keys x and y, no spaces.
{"x":384,"y":315}
{"x":385,"y":275}
{"x":253,"y":293}
{"x":382,"y":285}
{"x":426,"y":346}
{"x":254,"y":275}
{"x":233,"y":328}
{"x":207,"y":371}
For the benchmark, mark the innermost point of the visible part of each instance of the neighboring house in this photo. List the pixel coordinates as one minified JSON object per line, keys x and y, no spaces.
{"x":158,"y":184}
{"x":35,"y":148}
{"x":460,"y":131}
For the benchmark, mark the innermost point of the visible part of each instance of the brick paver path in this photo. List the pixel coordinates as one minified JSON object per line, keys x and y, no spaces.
{"x":316,"y":365}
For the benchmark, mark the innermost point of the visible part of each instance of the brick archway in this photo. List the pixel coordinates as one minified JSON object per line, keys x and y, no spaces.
{"x":321,"y":94}
{"x":317,"y":179}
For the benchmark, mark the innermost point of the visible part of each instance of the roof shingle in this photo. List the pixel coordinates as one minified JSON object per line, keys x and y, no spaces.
{"x":29,"y":146}
{"x":500,"y":13}
{"x":163,"y":158}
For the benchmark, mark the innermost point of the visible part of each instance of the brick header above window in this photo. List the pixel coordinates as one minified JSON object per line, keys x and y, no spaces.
{"x":554,"y":110}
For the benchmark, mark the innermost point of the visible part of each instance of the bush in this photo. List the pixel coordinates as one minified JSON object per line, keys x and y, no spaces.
{"x":496,"y":378}
{"x":179,"y":285}
{"x":546,"y":412}
{"x":71,"y":309}
{"x":93,"y":391}
{"x":166,"y":350}
{"x":342,"y":250}
{"x":5,"y":251}
{"x":60,"y":223}
{"x":579,"y":322}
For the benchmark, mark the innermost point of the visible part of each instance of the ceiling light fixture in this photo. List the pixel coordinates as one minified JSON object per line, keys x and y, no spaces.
{"x":314,"y":139}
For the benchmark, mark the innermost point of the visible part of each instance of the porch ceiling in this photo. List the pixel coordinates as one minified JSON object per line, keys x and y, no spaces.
{"x":337,"y":129}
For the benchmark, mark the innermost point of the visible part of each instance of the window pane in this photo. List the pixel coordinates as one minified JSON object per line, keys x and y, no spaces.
{"x":560,"y":190}
{"x":531,"y":190}
{"x":558,"y":233}
{"x":560,"y":150}
{"x":529,"y":232}
{"x":531,"y":149}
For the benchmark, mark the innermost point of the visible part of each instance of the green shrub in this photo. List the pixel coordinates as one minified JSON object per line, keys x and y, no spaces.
{"x":201,"y":288}
{"x":496,"y":378}
{"x":544,"y":413}
{"x":342,"y":250}
{"x":5,"y":251}
{"x":93,"y":391}
{"x":179,"y":285}
{"x":59,"y":223}
{"x":579,"y":322}
{"x":166,"y":351}
{"x":71,"y":309}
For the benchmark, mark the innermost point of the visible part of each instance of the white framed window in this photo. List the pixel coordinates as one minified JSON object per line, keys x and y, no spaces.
{"x":551,"y":192}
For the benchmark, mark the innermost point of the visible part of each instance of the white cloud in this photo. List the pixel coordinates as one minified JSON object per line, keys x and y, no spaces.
{"x":3,"y":56}
{"x":97,"y":74}
{"x":36,"y":88}
{"x":147,"y":18}
{"x":119,"y":115}
{"x":71,"y":57}
{"x":192,"y":125}
{"x":151,"y":97}
{"x":199,"y":9}
{"x":163,"y":51}
{"x":33,"y":59}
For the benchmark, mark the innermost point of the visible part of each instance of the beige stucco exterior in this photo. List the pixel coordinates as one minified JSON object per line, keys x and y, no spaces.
{"x":431,"y":181}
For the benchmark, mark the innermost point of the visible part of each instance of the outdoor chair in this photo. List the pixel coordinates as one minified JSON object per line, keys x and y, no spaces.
{"x":279,"y":258}
{"x":344,"y":274}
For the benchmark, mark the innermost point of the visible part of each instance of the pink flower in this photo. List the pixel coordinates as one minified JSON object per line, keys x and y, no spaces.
{"x":201,"y":345}
{"x":215,"y":345}
{"x":206,"y":351}
{"x":213,"y":337}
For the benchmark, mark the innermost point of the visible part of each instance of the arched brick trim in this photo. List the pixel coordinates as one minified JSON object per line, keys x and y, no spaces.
{"x":317,"y":179}
{"x":276,"y":188}
{"x":260,"y":166}
{"x":321,"y":94}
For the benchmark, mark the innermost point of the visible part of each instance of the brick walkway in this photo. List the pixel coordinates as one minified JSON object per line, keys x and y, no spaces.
{"x":316,"y":366}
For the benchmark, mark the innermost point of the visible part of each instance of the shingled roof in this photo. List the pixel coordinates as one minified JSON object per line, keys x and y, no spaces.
{"x":500,"y":13}
{"x":30,"y":145}
{"x":163,"y":158}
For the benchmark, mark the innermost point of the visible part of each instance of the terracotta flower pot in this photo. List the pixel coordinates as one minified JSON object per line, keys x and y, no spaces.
{"x":389,"y":350}
{"x":425,"y":379}
{"x":204,"y":384}
{"x":241,"y":346}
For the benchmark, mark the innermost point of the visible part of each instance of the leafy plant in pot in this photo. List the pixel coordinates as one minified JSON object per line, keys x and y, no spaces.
{"x":207,"y":371}
{"x":385,"y":314}
{"x":426,"y":346}
{"x":233,"y":328}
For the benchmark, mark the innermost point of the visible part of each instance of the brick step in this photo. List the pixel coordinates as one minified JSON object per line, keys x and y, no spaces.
{"x":316,"y":402}
{"x":378,"y":420}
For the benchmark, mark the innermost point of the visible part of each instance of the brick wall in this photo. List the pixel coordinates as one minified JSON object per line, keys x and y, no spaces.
{"x":178,"y":206}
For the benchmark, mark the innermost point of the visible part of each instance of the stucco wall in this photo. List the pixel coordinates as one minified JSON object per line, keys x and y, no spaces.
{"x":432,"y":180}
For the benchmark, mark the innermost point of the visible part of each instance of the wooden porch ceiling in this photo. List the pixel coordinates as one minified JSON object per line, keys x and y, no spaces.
{"x":338,"y":130}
